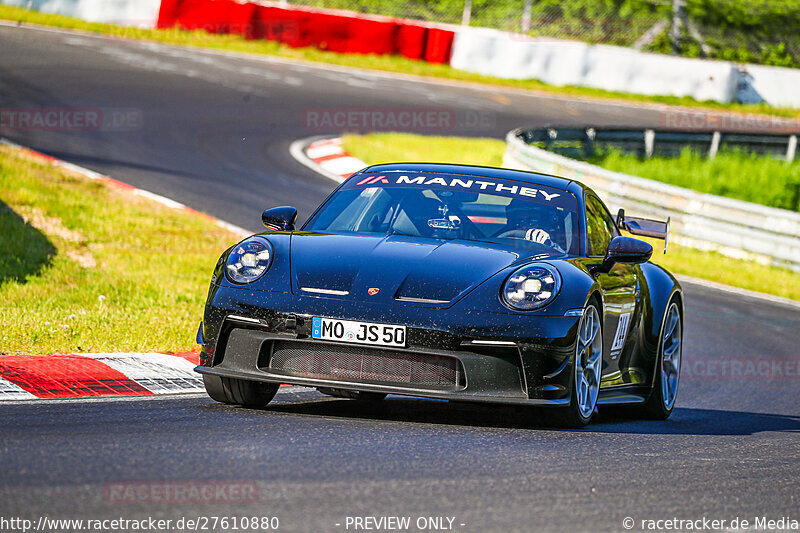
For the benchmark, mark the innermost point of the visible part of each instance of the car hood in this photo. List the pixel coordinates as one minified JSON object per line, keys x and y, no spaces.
{"x":393,"y":268}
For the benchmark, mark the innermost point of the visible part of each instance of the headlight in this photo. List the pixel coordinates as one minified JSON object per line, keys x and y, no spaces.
{"x":249,"y":260}
{"x":531,"y":287}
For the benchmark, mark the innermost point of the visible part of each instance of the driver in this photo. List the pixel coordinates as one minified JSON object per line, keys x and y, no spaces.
{"x":532,"y":222}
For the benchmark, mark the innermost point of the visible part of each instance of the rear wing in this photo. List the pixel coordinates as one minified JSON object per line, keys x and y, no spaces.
{"x":644,"y":227}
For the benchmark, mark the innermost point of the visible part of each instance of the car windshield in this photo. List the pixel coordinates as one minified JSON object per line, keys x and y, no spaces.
{"x":451,"y":207}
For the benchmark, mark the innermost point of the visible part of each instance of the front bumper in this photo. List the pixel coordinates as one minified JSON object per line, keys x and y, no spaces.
{"x":451,"y":354}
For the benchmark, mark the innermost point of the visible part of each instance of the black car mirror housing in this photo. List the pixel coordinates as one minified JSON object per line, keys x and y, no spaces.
{"x":624,"y":250}
{"x":279,"y":218}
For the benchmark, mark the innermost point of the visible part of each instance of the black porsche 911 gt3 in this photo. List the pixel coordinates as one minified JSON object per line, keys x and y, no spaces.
{"x":453,"y":282}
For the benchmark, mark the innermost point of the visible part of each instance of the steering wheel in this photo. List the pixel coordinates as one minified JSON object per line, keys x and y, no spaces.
{"x":536,"y":235}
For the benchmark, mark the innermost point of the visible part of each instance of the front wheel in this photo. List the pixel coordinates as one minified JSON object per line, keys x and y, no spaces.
{"x":587,"y":365}
{"x":239,"y":391}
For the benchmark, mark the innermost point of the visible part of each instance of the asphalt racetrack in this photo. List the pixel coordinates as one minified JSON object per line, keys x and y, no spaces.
{"x":213,"y":132}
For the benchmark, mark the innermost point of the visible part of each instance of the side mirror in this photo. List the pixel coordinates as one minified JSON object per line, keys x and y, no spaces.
{"x":625,"y":250}
{"x":279,"y":218}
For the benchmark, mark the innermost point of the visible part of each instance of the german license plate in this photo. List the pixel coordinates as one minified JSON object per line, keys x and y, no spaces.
{"x":358,"y":332}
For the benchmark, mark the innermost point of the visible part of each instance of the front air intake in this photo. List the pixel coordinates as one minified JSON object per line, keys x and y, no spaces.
{"x":366,"y":365}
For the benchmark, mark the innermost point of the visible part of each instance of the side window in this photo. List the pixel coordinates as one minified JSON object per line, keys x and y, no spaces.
{"x":600,"y":228}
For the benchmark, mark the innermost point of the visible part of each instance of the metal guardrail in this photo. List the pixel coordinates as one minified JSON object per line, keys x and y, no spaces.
{"x":650,"y":142}
{"x":732,"y":227}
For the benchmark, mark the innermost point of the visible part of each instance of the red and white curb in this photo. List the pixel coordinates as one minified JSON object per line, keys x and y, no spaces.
{"x":28,"y":377}
{"x":326,"y":157}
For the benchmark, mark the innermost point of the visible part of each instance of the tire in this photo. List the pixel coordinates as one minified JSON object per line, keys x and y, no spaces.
{"x":353,"y":395}
{"x":662,"y":397}
{"x":239,"y":391}
{"x":586,"y":368}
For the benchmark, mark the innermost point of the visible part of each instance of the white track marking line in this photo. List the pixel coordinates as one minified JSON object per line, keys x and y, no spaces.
{"x":344,"y":165}
{"x":332,"y":141}
{"x":298,"y":151}
{"x":241,"y":232}
{"x":159,"y":373}
{"x":172,"y":204}
{"x":163,"y":200}
{"x":739,"y":292}
{"x":91,"y":174}
{"x":318,"y":150}
{"x":334,"y":168}
{"x":12,"y":391}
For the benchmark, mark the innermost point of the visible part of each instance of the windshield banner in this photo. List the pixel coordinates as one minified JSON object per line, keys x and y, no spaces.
{"x":473,"y":184}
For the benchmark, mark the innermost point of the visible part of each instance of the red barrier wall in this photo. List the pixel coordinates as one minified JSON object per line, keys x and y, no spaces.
{"x":411,"y":41}
{"x":213,"y":16}
{"x":439,"y":45}
{"x":298,"y":27}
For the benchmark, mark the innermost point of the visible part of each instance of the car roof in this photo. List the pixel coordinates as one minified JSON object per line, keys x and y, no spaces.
{"x":478,"y":171}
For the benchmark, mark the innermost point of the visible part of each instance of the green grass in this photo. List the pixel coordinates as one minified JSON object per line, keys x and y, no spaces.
{"x":395,"y":64}
{"x":720,"y":268}
{"x":84,"y":267}
{"x":748,"y":177}
{"x":398,"y":147}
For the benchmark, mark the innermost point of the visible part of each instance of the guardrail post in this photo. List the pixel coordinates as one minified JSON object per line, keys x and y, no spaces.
{"x":526,"y":16}
{"x":649,"y":143}
{"x":588,"y":143}
{"x":552,"y":134}
{"x":791,"y":149}
{"x":675,"y":29}
{"x":467,"y":14}
{"x":712,"y":151}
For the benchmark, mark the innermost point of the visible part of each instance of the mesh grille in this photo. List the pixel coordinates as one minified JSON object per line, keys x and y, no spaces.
{"x":352,"y":363}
